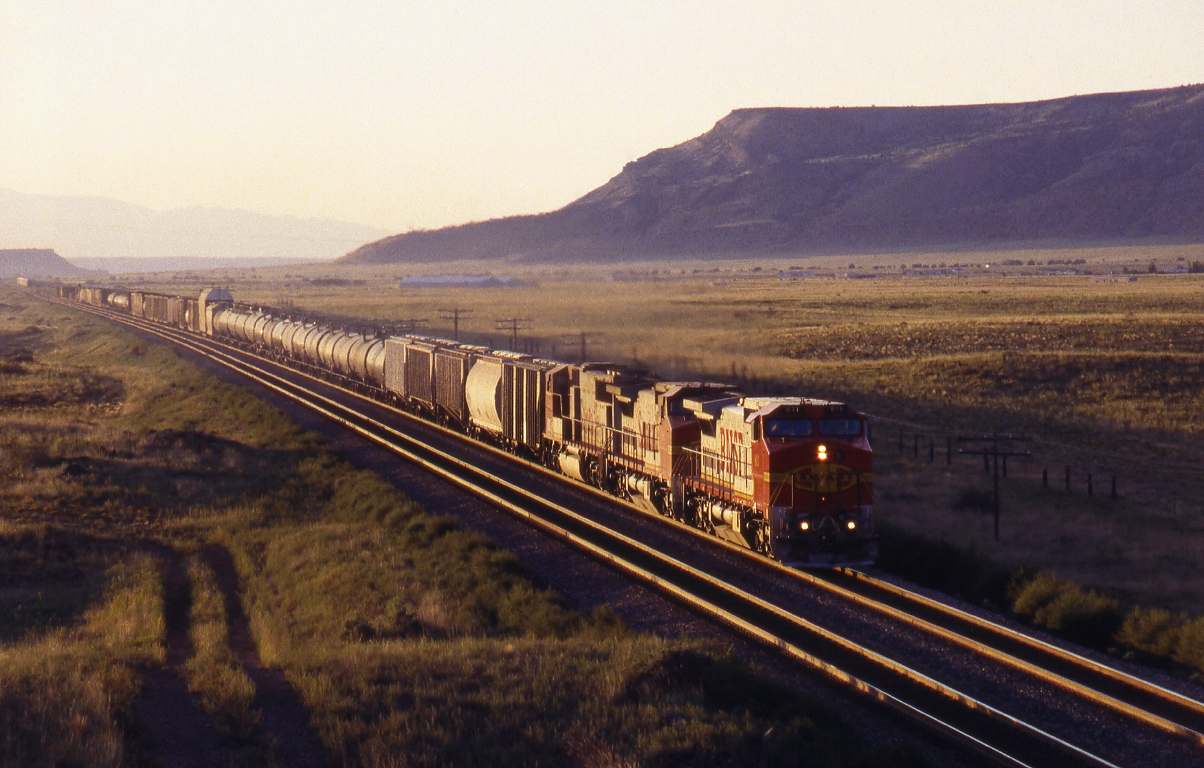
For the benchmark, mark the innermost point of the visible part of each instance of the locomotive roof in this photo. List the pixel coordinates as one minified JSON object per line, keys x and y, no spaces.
{"x":767,"y":406}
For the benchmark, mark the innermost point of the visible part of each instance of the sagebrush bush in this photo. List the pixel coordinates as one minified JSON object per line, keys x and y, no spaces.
{"x":1189,"y":648}
{"x":1173,"y":636}
{"x":1066,"y":609}
{"x":1151,"y":630}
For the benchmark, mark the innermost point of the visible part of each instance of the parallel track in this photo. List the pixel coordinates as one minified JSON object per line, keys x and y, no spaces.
{"x":1004,"y":738}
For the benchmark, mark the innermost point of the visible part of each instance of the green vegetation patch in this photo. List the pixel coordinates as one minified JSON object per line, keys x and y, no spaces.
{"x":406,"y":637}
{"x":48,"y":578}
{"x":622,"y":701}
{"x":66,"y":692}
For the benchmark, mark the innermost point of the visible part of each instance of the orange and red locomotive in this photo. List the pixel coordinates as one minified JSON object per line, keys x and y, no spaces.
{"x":789,"y":477}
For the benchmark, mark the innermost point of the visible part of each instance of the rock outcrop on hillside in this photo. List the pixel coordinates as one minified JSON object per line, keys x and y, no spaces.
{"x":1086,"y":168}
{"x":36,"y":262}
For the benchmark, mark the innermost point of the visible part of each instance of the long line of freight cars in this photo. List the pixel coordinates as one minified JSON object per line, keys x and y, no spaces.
{"x":790,"y":477}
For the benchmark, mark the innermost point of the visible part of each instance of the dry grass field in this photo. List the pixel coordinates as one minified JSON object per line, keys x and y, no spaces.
{"x":167,"y":541}
{"x":1104,"y":370}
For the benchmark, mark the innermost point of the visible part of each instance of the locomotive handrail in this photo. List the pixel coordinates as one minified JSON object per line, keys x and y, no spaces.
{"x":857,"y":484}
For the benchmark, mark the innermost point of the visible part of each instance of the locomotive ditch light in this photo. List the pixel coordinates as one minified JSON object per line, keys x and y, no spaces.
{"x":823,"y":453}
{"x":804,"y":526}
{"x":852,"y":525}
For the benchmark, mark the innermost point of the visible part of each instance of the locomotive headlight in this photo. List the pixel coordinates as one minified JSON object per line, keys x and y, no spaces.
{"x":823,"y":453}
{"x":852,"y":525}
{"x":804,"y":526}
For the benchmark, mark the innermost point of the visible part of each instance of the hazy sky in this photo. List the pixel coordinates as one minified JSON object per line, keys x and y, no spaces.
{"x":406,"y":115}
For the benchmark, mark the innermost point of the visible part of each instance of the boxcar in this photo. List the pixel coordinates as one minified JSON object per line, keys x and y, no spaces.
{"x":452,"y":365}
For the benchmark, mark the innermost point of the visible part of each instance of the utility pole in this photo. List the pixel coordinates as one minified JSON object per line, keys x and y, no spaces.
{"x":582,"y":339}
{"x":512,"y":324}
{"x":994,"y":450}
{"x":453,"y":314}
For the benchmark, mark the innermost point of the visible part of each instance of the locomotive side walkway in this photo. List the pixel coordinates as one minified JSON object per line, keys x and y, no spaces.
{"x":1111,"y":735}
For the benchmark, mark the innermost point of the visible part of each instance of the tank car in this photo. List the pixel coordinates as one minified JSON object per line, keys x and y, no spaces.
{"x":788,"y":477}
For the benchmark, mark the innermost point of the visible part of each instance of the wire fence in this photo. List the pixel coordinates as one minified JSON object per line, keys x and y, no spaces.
{"x":1172,"y":489}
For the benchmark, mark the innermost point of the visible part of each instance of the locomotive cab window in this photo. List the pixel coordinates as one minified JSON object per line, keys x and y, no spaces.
{"x":788,"y":428}
{"x":840,"y":427}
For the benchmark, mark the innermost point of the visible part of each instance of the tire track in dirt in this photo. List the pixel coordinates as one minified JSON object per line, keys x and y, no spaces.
{"x":172,"y":729}
{"x":281,"y":712}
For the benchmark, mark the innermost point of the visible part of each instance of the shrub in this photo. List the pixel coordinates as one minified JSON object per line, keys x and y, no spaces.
{"x":1068,"y":610}
{"x":1151,"y":630}
{"x":1189,"y":648}
{"x":1166,"y":635}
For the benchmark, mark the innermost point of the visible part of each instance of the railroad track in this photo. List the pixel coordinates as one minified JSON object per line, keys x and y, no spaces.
{"x":1105,"y":694}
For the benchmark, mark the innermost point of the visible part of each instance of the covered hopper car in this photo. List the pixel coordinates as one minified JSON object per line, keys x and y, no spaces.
{"x":789,"y":477}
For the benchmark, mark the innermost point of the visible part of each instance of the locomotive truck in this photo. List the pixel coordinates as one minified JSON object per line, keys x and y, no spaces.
{"x":789,"y":477}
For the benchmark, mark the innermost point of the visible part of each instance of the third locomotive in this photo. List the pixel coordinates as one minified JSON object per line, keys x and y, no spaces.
{"x":789,"y":477}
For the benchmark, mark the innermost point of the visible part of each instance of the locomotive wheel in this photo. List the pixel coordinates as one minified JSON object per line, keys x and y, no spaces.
{"x":762,"y":538}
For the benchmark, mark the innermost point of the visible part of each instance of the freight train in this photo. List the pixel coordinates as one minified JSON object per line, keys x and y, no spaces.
{"x":789,"y":477}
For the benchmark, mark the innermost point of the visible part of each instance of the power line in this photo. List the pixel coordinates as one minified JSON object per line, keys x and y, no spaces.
{"x":411,"y":323}
{"x":995,"y":440}
{"x":583,"y":339}
{"x":512,"y":324}
{"x":453,"y":314}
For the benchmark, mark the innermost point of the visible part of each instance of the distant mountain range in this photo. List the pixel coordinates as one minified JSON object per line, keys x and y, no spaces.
{"x":81,"y":228}
{"x":1105,"y":167}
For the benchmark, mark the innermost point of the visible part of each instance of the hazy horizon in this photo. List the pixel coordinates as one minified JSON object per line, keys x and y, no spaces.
{"x":404,"y":117}
{"x":96,"y":228}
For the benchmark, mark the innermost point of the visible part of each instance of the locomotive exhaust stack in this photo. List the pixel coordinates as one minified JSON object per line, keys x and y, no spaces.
{"x":789,"y":477}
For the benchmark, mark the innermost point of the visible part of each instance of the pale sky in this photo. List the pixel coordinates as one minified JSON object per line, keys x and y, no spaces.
{"x":417,"y":115}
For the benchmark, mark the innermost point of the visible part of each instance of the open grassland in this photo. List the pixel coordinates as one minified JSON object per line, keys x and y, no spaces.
{"x":152,"y":518}
{"x":1104,"y":371}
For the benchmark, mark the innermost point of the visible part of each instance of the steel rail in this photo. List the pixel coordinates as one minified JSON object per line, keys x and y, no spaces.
{"x":324,"y":405}
{"x":1171,"y":698}
{"x":1035,"y":643}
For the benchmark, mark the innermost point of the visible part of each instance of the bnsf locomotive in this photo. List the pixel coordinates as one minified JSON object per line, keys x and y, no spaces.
{"x":789,"y":477}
